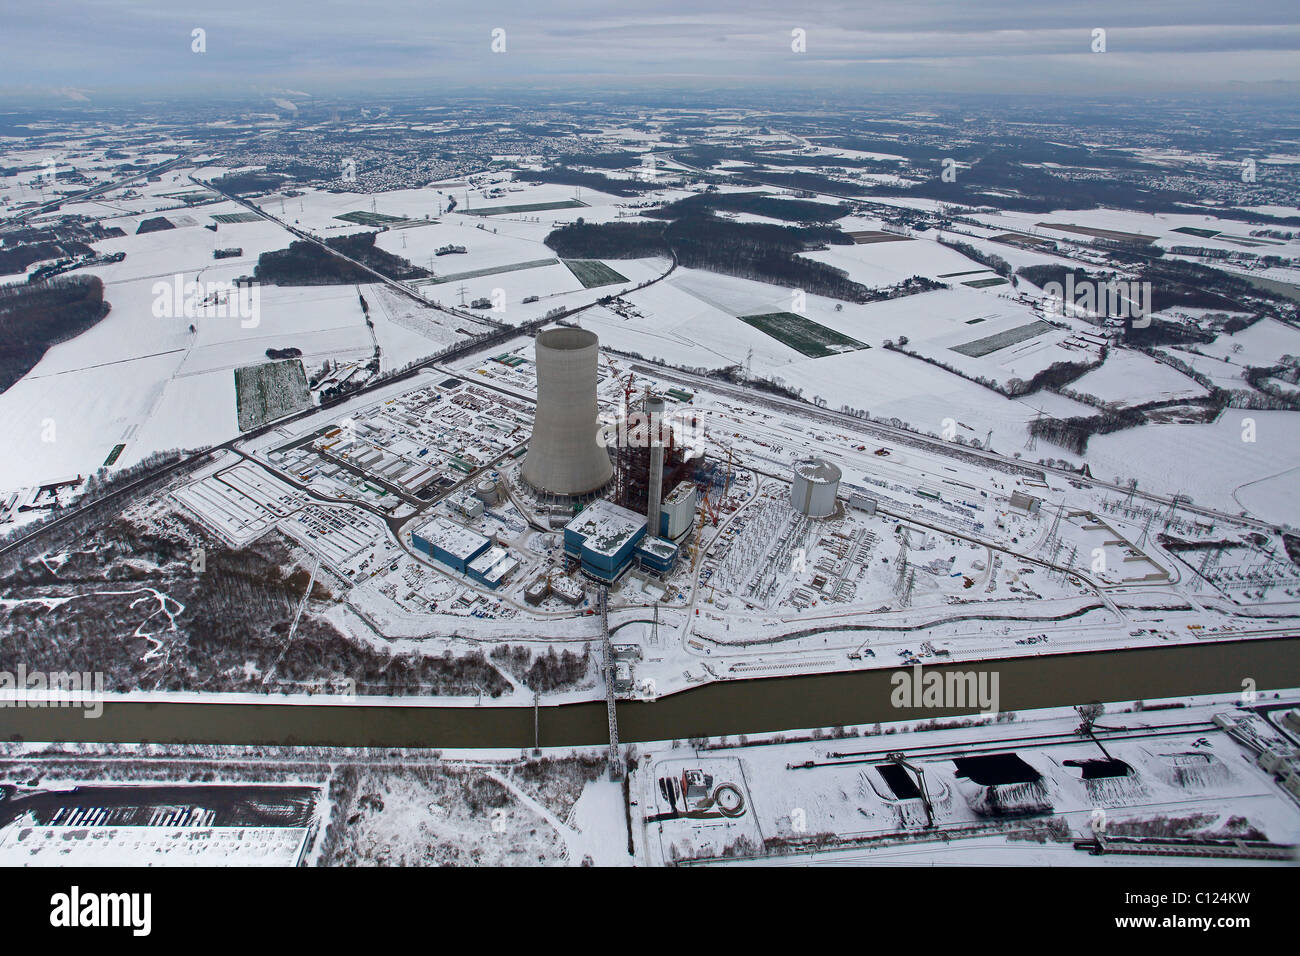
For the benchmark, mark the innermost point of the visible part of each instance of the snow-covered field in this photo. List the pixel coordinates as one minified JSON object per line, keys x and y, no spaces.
{"x":1132,"y":378}
{"x":1212,"y":463}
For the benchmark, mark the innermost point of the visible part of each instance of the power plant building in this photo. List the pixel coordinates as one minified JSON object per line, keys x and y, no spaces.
{"x":863,"y":503}
{"x":448,"y":542}
{"x":604,"y":537}
{"x":565,"y":456}
{"x":814,"y":486}
{"x":466,"y":505}
{"x":677,"y":514}
{"x":1023,"y":502}
{"x":656,"y":555}
{"x":492,"y":567}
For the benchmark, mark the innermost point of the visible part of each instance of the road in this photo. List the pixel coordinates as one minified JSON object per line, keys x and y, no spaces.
{"x":97,"y":190}
{"x":306,"y":236}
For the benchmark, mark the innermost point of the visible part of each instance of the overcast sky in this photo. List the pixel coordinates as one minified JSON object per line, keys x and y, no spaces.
{"x":109,"y":48}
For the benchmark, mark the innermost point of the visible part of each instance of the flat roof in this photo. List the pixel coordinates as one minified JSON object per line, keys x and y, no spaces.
{"x":493,"y":564}
{"x":456,"y":540}
{"x":605,"y":527}
{"x":680,"y":493}
{"x":658,"y":547}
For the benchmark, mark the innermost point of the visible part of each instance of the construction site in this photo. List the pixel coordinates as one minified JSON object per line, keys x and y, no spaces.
{"x":686,"y":534}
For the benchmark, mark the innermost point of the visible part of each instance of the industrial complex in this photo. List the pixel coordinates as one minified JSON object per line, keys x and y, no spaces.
{"x":889,"y":425}
{"x":551,"y":480}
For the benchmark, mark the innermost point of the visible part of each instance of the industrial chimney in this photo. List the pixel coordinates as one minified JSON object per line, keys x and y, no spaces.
{"x":564,"y":455}
{"x":654,"y":408}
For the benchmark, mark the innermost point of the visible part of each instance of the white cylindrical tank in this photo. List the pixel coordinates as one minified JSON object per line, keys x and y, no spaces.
{"x":564,"y":454}
{"x":486,"y":491}
{"x":814,"y":485}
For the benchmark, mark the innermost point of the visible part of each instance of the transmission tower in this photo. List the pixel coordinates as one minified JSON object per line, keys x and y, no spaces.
{"x":1056,"y":527}
{"x":1069,"y":563}
{"x":900,"y":581}
{"x":1031,"y":443}
{"x":907,"y":590}
{"x":1132,"y":490}
{"x":1173,"y":508}
{"x":1209,"y":564}
{"x":1146,"y":528}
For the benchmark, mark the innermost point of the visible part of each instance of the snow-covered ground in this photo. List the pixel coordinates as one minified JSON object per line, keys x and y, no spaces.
{"x":1011,"y":789}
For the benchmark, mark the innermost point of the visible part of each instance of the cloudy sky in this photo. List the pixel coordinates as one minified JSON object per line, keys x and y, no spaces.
{"x":100,"y":49}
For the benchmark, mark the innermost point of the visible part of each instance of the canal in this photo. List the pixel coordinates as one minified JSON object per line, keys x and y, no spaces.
{"x":729,"y":708}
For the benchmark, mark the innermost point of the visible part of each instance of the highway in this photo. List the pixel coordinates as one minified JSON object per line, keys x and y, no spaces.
{"x":90,"y":193}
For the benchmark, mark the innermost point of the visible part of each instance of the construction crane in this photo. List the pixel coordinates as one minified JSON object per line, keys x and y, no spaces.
{"x":899,"y":759}
{"x":710,"y":508}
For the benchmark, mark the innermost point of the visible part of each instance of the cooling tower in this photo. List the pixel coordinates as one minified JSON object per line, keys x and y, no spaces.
{"x":564,"y":456}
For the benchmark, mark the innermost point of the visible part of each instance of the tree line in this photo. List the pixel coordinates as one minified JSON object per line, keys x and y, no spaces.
{"x":36,"y":316}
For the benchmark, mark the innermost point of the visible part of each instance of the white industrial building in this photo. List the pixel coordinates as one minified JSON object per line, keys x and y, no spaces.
{"x":678,"y":512}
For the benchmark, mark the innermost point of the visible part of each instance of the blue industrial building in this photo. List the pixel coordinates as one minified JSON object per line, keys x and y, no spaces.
{"x":657,"y":555}
{"x":492,"y":567}
{"x":604,"y":537}
{"x":452,"y":544}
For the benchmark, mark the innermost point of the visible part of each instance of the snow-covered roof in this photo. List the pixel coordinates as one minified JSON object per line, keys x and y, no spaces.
{"x":493,"y":564}
{"x":680,"y":493}
{"x":664,"y":550}
{"x":451,"y":537}
{"x":817,"y":470}
{"x":605,"y":526}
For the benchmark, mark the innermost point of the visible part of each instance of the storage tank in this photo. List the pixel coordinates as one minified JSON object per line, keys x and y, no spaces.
{"x":564,"y":455}
{"x":486,"y":491}
{"x":814,"y":484}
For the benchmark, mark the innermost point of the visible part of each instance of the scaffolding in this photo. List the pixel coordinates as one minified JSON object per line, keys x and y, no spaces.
{"x":632,"y":457}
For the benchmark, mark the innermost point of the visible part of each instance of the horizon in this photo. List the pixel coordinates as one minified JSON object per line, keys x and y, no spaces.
{"x":939,"y":47}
